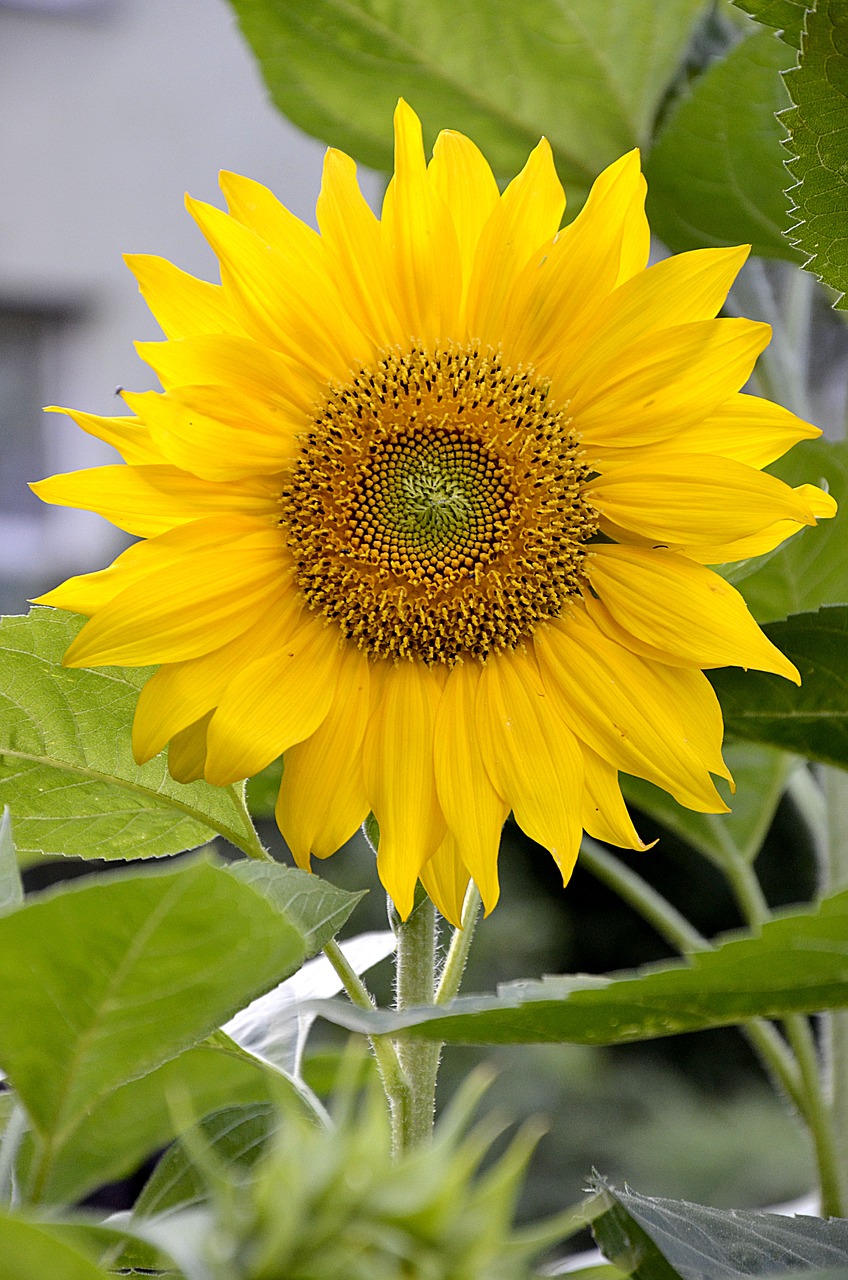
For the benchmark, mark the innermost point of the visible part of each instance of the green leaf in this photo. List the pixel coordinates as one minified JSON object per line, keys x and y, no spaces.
{"x":236,"y":1135}
{"x":717,"y":173}
{"x":123,"y":974}
{"x":589,"y":74}
{"x":811,"y":569}
{"x":11,"y":888}
{"x":675,"y":1240}
{"x":811,"y":720}
{"x":786,"y":16}
{"x":66,"y":765}
{"x":818,"y":141}
{"x":31,"y":1251}
{"x":123,"y":1128}
{"x":760,"y":774}
{"x":317,"y":908}
{"x":798,"y":964}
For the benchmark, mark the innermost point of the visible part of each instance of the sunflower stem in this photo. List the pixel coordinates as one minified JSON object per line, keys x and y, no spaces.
{"x":251,"y":845}
{"x":415,"y":983}
{"x":457,"y":956}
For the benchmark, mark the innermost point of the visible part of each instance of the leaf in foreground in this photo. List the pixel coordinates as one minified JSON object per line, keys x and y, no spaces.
{"x":66,"y":765}
{"x":30,"y":1251}
{"x":798,"y":964}
{"x":315,"y":907}
{"x":818,"y":141}
{"x":123,"y":974}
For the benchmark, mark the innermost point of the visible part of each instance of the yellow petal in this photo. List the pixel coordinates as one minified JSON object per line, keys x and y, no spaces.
{"x":605,"y":814}
{"x":665,"y":599}
{"x":351,"y":234}
{"x":400,"y":779}
{"x":219,"y":359}
{"x":322,"y":798}
{"x":420,"y":244}
{"x":219,"y":433}
{"x":129,"y":436}
{"x":181,"y":692}
{"x":526,"y":218}
{"x":187,"y":752}
{"x":820,"y":506}
{"x":445,"y":879}
{"x":747,"y":429}
{"x":202,"y":585}
{"x":183,"y":305}
{"x":620,"y":706}
{"x":688,"y":499}
{"x":531,"y":755}
{"x":474,"y":811}
{"x":88,"y":592}
{"x":663,"y":382}
{"x":272,"y":703}
{"x":150,"y":500}
{"x":460,"y":175}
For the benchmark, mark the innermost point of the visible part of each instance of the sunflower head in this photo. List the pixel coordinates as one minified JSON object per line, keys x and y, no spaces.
{"x":427,"y":504}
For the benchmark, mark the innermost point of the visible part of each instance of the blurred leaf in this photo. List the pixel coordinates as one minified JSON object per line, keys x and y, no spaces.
{"x":235,"y":1134}
{"x":798,"y":964}
{"x":123,"y":974}
{"x":589,"y":74}
{"x":316,"y":907}
{"x":668,"y":1239}
{"x":31,"y":1251}
{"x":760,"y":774}
{"x":787,"y":16}
{"x":818,"y":139}
{"x":126,"y":1126}
{"x":261,"y":790}
{"x":11,"y":888}
{"x":717,"y":173}
{"x":66,"y":766}
{"x":811,"y":721}
{"x":811,"y":569}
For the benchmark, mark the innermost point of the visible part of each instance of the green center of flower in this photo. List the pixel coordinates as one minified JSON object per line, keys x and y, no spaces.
{"x":436,"y":507}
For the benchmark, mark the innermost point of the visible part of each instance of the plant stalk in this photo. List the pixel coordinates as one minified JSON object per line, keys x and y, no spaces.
{"x":415,"y":984}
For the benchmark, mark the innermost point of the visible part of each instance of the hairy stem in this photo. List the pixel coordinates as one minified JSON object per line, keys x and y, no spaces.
{"x":415,"y":983}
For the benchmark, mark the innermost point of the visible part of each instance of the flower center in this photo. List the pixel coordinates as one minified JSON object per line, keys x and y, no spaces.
{"x":435,"y":509}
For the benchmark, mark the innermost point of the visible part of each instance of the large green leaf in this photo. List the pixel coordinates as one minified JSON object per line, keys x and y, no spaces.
{"x":123,"y":1128}
{"x":30,"y":1251}
{"x":66,"y":766}
{"x":811,"y":720}
{"x":675,"y":1240}
{"x":587,"y":73}
{"x":760,"y":774}
{"x":786,"y":16}
{"x":105,"y":981}
{"x":799,"y":964}
{"x":716,"y":175}
{"x":811,"y":569}
{"x":818,"y":141}
{"x":316,"y":907}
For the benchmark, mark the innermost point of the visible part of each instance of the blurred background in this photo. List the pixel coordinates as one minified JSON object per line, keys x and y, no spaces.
{"x":109,"y":111}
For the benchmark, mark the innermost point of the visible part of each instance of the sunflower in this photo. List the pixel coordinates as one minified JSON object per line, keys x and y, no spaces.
{"x":426,"y":506}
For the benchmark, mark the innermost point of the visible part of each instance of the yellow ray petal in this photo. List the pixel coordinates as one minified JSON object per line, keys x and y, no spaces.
{"x":636,"y":240}
{"x":150,"y":500}
{"x":605,"y":814}
{"x":400,"y":779}
{"x":183,"y":305}
{"x":688,"y":499}
{"x":663,"y":382}
{"x":620,"y":706}
{"x":204,"y":584}
{"x":665,"y":599}
{"x":560,"y":289}
{"x":219,"y":433}
{"x":129,"y":436}
{"x":526,"y":218}
{"x":180,"y":692}
{"x":531,"y":755}
{"x":272,"y":703}
{"x":474,"y":811}
{"x":460,"y":175}
{"x":218,"y":359}
{"x":256,"y":207}
{"x":88,"y":592}
{"x":352,"y":238}
{"x":187,"y":751}
{"x":820,"y":505}
{"x":282,"y":301}
{"x":322,"y":798}
{"x":420,"y":244}
{"x":446,"y":879}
